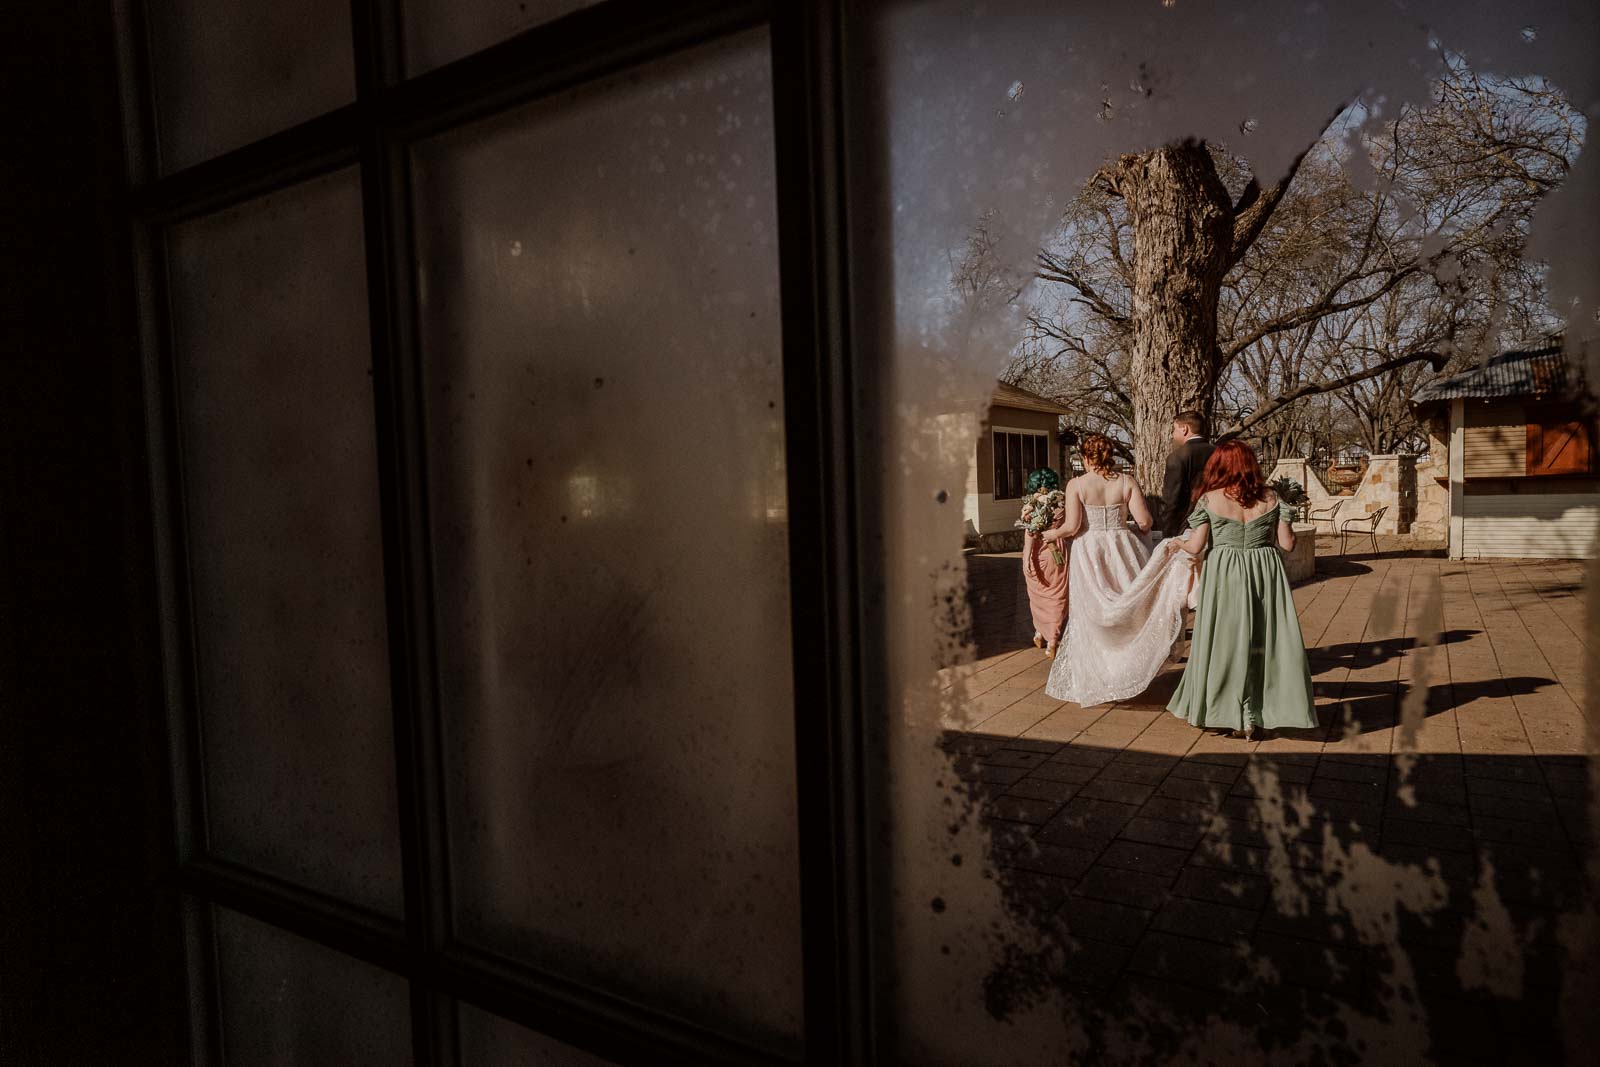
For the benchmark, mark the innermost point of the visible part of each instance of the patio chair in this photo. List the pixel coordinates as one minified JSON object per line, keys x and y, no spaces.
{"x":1326,"y":513}
{"x":1366,"y":524}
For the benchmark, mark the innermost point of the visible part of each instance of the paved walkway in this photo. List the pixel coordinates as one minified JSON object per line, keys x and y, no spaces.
{"x":1446,"y":780}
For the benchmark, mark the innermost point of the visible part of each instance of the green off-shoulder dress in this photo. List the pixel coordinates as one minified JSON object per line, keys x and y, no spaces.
{"x":1247,"y":658}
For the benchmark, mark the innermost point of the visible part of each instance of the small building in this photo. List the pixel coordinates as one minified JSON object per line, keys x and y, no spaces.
{"x":1517,"y":440}
{"x":1020,"y":433}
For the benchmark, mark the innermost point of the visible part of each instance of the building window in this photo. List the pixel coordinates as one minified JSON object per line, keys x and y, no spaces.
{"x":1016,"y":453}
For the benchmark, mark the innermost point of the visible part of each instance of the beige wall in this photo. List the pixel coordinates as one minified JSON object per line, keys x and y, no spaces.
{"x":1530,"y":525}
{"x":1495,"y":440}
{"x":985,"y":514}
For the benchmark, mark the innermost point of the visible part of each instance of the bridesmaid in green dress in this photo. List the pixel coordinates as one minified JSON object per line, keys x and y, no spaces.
{"x":1247,"y":668}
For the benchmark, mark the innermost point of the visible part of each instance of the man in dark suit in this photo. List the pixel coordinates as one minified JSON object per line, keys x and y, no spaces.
{"x":1187,"y":459}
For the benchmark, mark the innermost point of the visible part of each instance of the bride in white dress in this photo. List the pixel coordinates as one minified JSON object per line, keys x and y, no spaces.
{"x":1125,"y":602}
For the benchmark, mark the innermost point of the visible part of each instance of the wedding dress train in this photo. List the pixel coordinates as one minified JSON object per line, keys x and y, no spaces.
{"x":1125,"y":610}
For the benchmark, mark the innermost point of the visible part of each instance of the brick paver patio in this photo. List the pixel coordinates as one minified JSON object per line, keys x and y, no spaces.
{"x":1147,"y":847}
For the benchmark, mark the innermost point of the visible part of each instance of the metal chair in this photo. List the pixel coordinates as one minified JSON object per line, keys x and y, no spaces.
{"x":1366,"y":524}
{"x":1326,"y":513}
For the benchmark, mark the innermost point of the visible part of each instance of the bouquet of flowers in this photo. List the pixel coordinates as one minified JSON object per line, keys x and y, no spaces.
{"x":1290,"y":492}
{"x":1040,"y":511}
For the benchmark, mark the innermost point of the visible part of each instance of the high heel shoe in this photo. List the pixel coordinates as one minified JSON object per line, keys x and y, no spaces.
{"x":1050,"y":653}
{"x":1038,"y":642}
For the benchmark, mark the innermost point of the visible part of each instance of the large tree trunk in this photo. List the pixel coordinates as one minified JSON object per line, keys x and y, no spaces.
{"x":1183,"y":234}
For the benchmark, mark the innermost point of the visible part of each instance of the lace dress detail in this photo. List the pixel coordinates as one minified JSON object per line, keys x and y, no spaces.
{"x":1125,"y":610}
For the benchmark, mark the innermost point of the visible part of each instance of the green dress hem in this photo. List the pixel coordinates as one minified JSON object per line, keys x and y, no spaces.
{"x":1247,"y":661}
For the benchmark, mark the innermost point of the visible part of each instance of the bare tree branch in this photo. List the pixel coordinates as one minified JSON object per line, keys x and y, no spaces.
{"x":1255,"y":206}
{"x":1323,"y":307}
{"x":1052,"y":269}
{"x":1329,"y":385}
{"x":1078,"y":433}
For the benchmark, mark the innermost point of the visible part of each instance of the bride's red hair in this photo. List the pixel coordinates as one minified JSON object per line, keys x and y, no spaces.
{"x":1233,"y":469}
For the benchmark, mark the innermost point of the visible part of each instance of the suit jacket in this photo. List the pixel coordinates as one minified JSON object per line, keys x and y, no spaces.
{"x":1184,"y":464}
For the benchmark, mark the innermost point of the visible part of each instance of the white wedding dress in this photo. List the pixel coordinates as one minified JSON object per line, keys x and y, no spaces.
{"x":1124,"y":610}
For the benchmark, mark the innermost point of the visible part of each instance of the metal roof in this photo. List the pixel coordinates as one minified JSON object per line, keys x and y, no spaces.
{"x":1525,"y":373}
{"x":1011,"y":396}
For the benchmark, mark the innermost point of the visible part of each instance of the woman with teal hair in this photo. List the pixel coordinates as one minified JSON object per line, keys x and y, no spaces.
{"x":1044,"y":564}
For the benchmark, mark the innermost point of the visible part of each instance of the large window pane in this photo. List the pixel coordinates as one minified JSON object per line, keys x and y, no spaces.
{"x":230,"y":71}
{"x":1046,"y":188}
{"x":280,"y":481}
{"x":438,"y":31}
{"x":600,"y":317}
{"x":288,"y":1001}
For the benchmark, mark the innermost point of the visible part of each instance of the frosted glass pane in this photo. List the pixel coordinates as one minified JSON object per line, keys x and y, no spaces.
{"x":287,"y":1001}
{"x":490,"y":1041}
{"x":438,"y":31}
{"x":228,"y":72}
{"x":600,"y":317}
{"x":280,"y":478}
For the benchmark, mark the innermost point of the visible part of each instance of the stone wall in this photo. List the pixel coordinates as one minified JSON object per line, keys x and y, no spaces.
{"x":998,"y":541}
{"x":1390,"y":482}
{"x":1432,"y":521}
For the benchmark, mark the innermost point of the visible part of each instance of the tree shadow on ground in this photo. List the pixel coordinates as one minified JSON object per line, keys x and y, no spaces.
{"x":1363,"y":707}
{"x":1308,"y":896}
{"x":1355,"y":655}
{"x":1338,"y":567}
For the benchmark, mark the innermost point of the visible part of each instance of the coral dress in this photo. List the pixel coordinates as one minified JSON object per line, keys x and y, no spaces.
{"x":1047,"y":583}
{"x":1247,"y":662}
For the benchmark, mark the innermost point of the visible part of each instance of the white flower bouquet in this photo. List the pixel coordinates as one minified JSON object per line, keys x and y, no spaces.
{"x":1040,"y":511}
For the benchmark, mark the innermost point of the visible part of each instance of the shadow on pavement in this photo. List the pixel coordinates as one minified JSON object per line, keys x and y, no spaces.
{"x":1308,"y":897}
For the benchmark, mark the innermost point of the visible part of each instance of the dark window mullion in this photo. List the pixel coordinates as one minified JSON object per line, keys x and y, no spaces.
{"x":204,"y":986}
{"x":546,"y":59}
{"x":822,"y":399}
{"x":589,"y":1018}
{"x":181,"y":685}
{"x":296,"y":155}
{"x":180,"y":677}
{"x":137,"y":91}
{"x":169,"y":533}
{"x":386,"y":221}
{"x":575,"y":49}
{"x":373,"y":131}
{"x":368,"y":936}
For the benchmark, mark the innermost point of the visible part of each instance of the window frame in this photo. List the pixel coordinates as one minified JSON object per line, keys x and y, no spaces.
{"x":825,"y":426}
{"x":996,"y":453}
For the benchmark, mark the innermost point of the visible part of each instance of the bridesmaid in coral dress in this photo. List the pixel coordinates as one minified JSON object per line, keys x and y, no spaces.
{"x":1046,"y":578}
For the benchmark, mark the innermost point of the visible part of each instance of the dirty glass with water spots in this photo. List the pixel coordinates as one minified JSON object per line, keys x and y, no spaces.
{"x":280,"y":477}
{"x":288,"y":1000}
{"x":492,"y":1041}
{"x":1108,"y":884}
{"x":438,"y":31}
{"x":228,"y":72}
{"x":599,"y":290}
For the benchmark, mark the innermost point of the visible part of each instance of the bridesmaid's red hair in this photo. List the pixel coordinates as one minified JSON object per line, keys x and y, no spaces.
{"x":1233,"y":469}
